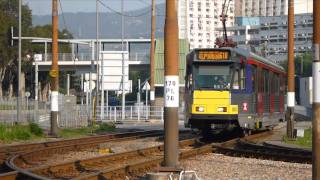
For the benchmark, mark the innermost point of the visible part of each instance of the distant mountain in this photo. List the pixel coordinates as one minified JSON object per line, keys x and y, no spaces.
{"x":83,"y":25}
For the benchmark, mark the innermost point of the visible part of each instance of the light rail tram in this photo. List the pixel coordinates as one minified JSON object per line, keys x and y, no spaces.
{"x":232,"y":87}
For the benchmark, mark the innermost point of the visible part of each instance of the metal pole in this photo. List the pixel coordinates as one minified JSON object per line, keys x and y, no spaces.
{"x":152,"y":49}
{"x":68,"y":84}
{"x":46,"y":51}
{"x":146,"y":103}
{"x":54,"y":73}
{"x":102,"y":91}
{"x":19,"y":66}
{"x":291,"y":89}
{"x":123,"y":64}
{"x":97,"y":54}
{"x":316,"y":92}
{"x":82,"y":89}
{"x":139,"y":99}
{"x":171,"y":85}
{"x":36,"y":89}
{"x":301,"y":67}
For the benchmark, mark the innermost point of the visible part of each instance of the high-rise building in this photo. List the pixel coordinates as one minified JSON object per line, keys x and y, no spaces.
{"x":261,"y":7}
{"x":270,"y":7}
{"x":202,"y":19}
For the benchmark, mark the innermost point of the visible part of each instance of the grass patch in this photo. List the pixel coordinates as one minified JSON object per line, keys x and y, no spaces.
{"x":9,"y":133}
{"x":305,"y":141}
{"x":79,"y":132}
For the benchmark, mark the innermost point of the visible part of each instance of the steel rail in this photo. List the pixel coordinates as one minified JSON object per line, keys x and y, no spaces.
{"x":9,"y":152}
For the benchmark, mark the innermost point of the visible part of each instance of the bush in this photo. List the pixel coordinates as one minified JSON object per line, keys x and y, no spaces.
{"x":106,"y":127}
{"x":35,"y":129}
{"x":9,"y":133}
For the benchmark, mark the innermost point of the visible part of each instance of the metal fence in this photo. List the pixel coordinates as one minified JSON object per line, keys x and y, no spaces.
{"x":72,"y":116}
{"x":132,"y":113}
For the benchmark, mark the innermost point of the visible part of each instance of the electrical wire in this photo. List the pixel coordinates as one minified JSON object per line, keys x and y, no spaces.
{"x":122,"y":14}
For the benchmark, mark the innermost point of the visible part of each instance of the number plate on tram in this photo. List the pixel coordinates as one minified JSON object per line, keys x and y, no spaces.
{"x":217,"y":55}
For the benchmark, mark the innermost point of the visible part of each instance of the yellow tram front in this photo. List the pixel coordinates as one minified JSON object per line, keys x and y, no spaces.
{"x":209,"y":77}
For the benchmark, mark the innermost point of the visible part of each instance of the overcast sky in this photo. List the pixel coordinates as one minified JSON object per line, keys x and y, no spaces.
{"x":43,"y":7}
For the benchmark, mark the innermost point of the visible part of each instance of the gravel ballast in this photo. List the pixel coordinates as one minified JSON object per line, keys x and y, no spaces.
{"x":218,"y":166}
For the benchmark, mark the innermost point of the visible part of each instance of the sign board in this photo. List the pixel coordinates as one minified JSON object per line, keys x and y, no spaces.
{"x":54,"y":73}
{"x":86,"y":86}
{"x":213,"y":55}
{"x":37,"y":57}
{"x":146,"y":86}
{"x":112,"y":70}
{"x":93,"y":76}
{"x":27,"y":94}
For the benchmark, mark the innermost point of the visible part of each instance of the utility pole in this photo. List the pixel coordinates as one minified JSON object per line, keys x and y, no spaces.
{"x":152,"y":49}
{"x":316,"y":92}
{"x":171,"y":85}
{"x":291,"y":89}
{"x":54,"y":73}
{"x":19,"y":66}
{"x":123,"y":64}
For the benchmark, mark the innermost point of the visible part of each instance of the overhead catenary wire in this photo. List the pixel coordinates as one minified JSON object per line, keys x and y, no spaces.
{"x":122,"y":14}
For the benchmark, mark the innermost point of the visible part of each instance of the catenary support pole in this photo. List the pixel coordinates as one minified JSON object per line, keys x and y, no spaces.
{"x":291,"y":89}
{"x":152,"y":49}
{"x":123,"y":64}
{"x":19,"y":66}
{"x":68,"y":84}
{"x":54,"y":73}
{"x":171,"y":85}
{"x":139,"y":99}
{"x":36,"y":92}
{"x":97,"y":59}
{"x":316,"y":92}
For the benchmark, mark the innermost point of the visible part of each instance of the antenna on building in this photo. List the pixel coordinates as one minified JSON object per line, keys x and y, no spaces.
{"x":223,"y":18}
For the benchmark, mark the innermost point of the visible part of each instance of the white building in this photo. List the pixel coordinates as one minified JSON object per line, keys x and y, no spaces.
{"x":268,"y":35}
{"x":202,"y":19}
{"x":270,"y":7}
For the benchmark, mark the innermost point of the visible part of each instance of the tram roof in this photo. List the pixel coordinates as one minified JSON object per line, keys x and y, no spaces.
{"x":248,"y":54}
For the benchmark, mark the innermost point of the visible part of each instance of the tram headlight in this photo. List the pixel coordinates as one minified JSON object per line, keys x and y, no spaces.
{"x":200,"y":109}
{"x":222,"y":109}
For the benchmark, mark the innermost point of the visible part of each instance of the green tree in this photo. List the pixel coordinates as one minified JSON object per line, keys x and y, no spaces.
{"x":9,"y":18}
{"x":302,"y":64}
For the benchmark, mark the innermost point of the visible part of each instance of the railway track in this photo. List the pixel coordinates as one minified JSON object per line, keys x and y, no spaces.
{"x":114,"y":166}
{"x":42,"y":150}
{"x":136,"y":163}
{"x":245,"y":147}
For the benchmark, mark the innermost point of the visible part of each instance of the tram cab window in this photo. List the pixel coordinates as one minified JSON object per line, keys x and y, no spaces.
{"x":211,"y":77}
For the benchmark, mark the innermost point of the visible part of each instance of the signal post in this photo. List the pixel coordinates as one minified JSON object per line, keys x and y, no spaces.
{"x":316,"y":92}
{"x":171,"y":85}
{"x":54,"y":73}
{"x":291,"y":89}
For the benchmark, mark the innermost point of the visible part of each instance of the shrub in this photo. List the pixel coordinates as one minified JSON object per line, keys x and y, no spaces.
{"x":106,"y":127}
{"x":35,"y":129}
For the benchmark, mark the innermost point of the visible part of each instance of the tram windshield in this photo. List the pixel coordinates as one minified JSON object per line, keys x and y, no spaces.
{"x":212,"y":77}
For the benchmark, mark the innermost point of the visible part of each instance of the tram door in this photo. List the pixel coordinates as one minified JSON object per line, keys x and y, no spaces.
{"x":260,"y":84}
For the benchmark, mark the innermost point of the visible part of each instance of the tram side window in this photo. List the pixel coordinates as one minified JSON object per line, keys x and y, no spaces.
{"x":243,"y":78}
{"x":239,"y":79}
{"x":276,"y":84}
{"x":236,"y":80}
{"x":253,"y":78}
{"x":266,"y":81}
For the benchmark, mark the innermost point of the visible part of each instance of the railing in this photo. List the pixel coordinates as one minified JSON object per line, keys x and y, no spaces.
{"x":142,"y":57}
{"x":132,"y":113}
